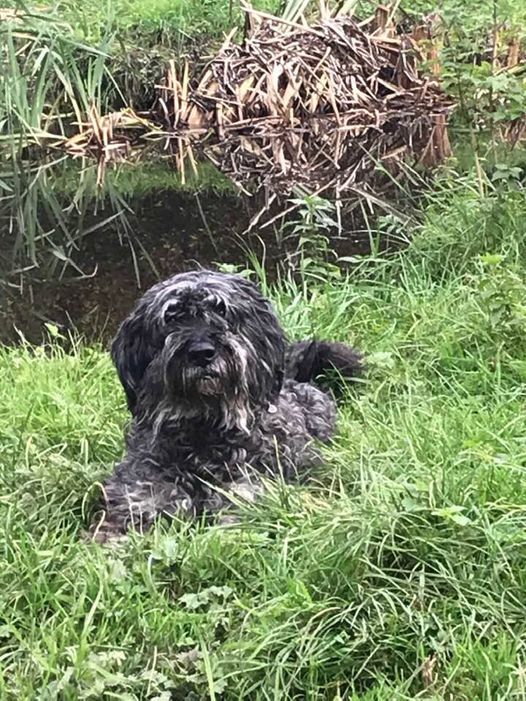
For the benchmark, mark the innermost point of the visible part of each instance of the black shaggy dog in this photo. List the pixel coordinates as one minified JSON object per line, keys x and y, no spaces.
{"x":218,"y":399}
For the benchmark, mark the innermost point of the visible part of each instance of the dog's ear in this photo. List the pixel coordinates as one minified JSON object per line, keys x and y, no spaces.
{"x":132,"y":352}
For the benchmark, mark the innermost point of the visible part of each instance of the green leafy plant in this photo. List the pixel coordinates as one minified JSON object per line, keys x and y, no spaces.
{"x":503,"y":292}
{"x":311,"y":227}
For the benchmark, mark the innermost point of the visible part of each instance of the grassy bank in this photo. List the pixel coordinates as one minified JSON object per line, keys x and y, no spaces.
{"x":399,"y":573}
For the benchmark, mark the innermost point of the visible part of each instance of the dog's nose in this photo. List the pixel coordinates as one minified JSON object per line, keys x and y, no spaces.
{"x":201,"y":353}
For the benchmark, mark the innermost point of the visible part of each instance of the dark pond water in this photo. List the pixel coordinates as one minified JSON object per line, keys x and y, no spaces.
{"x":168,"y":229}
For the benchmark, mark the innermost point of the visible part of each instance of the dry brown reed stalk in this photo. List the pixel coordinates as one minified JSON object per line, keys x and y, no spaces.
{"x":107,"y":138}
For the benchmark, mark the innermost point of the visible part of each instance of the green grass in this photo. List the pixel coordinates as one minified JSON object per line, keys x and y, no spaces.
{"x":212,"y":17}
{"x":158,"y":21}
{"x":408,"y":547}
{"x":141,"y":179}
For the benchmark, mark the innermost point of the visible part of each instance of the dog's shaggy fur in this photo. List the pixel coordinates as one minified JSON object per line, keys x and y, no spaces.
{"x":218,"y":399}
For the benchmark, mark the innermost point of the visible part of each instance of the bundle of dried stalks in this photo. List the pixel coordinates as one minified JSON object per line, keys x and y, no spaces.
{"x":319,"y":106}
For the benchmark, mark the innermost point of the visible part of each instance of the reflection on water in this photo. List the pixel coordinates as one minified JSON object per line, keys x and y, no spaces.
{"x":77,"y":256}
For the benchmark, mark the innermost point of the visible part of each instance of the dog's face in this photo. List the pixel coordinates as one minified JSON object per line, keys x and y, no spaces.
{"x":202,"y":335}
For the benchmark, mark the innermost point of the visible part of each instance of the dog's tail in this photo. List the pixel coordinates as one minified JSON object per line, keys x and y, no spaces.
{"x":306,"y":361}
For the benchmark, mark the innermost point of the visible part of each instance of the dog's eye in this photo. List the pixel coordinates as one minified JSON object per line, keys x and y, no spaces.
{"x":220,"y":308}
{"x":171,"y":313}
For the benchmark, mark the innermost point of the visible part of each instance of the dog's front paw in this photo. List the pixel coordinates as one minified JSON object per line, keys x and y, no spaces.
{"x":228,"y":520}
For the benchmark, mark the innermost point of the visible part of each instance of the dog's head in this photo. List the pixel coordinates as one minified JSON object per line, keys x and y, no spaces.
{"x":202,"y":336}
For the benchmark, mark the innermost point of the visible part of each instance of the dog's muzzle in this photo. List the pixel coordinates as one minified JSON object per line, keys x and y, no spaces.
{"x":200,"y":353}
{"x":198,"y":365}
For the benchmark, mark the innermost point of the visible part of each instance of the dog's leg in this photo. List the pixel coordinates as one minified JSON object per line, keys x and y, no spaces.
{"x":134,"y":499}
{"x":317,"y":406}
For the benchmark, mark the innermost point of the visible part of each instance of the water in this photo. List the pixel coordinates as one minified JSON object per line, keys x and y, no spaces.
{"x":99,"y":255}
